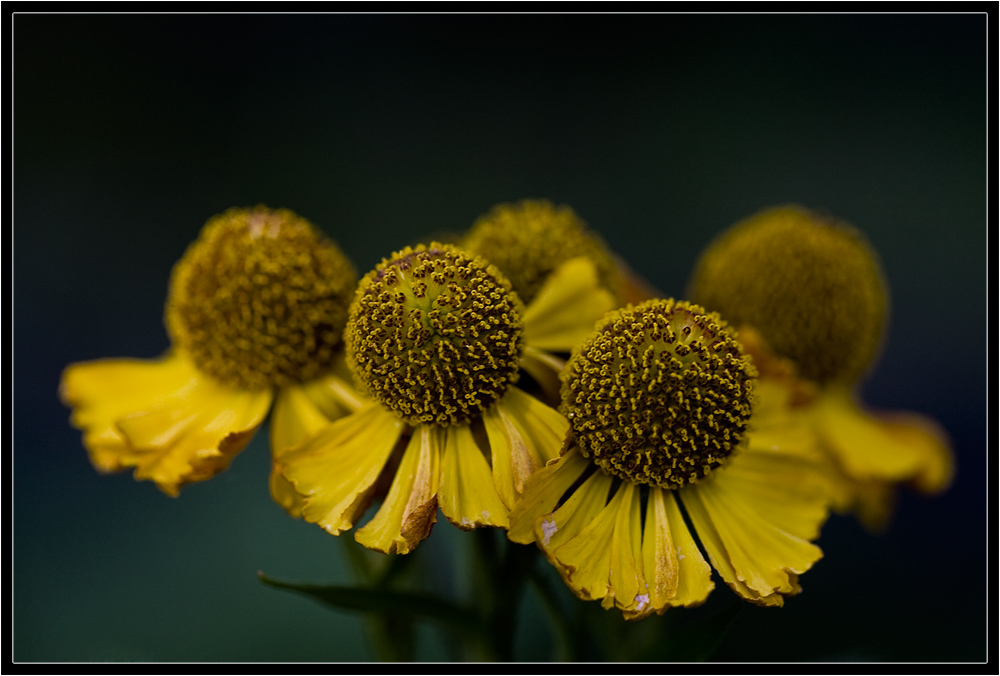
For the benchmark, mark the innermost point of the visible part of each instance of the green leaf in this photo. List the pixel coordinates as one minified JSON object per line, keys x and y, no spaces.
{"x":387,"y":602}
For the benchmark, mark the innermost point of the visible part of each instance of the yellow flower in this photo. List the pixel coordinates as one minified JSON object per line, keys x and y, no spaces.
{"x":561,"y":269}
{"x":255,"y":313}
{"x":435,"y":338}
{"x":659,"y":401}
{"x":814,"y":291}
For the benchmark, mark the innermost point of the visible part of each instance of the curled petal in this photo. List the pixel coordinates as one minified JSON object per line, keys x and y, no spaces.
{"x":542,"y":493}
{"x":523,"y":435}
{"x":410,"y":509}
{"x":300,"y":411}
{"x":759,"y":560}
{"x":589,"y":556}
{"x":926,"y":439}
{"x":334,"y":471}
{"x":874,"y":451}
{"x":862,"y":445}
{"x":572,"y":518}
{"x":163,"y":417}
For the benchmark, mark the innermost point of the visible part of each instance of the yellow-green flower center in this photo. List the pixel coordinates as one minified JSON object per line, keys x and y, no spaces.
{"x":435,"y":334}
{"x":530,"y":239}
{"x":812,"y":286}
{"x":660,"y":394}
{"x":260,"y":299}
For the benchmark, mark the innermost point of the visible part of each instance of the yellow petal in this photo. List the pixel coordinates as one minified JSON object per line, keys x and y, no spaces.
{"x":170,"y":422}
{"x":524,"y":434}
{"x":300,"y":411}
{"x":876,"y":450}
{"x":410,"y":509}
{"x":542,"y":493}
{"x":628,"y":587}
{"x":575,"y":515}
{"x":788,"y":491}
{"x":674,"y":570}
{"x":927,"y":439}
{"x":335,"y":470}
{"x":863,"y":446}
{"x":694,"y":576}
{"x":873,"y":502}
{"x":782,"y":430}
{"x":765,"y":558}
{"x":467,"y":496}
{"x":718,"y":555}
{"x":101,"y":392}
{"x":659,"y":554}
{"x":563,"y":313}
{"x":545,"y":369}
{"x":588,"y":557}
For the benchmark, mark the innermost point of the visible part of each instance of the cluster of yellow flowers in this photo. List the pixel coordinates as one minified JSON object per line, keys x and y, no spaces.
{"x":524,"y":378}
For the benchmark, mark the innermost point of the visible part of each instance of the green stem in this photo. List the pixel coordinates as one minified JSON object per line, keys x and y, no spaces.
{"x":557,"y":617}
{"x":503,"y":589}
{"x":393,"y":639}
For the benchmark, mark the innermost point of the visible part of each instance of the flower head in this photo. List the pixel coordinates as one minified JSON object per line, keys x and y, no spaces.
{"x":529,"y":240}
{"x":659,"y":396}
{"x":811,"y":285}
{"x":260,"y":299}
{"x":562,"y":270}
{"x":434,"y":337}
{"x":256,"y":309}
{"x":660,"y":400}
{"x":813,"y":292}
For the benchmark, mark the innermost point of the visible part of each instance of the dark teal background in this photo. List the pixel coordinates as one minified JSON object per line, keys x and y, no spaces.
{"x":660,"y":131}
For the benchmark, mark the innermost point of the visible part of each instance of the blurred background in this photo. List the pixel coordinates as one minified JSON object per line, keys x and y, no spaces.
{"x":660,"y":131}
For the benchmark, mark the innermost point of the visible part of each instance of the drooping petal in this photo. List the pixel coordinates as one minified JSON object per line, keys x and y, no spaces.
{"x":627,"y":589}
{"x":694,"y":575}
{"x":659,"y":554}
{"x":719,"y":556}
{"x":545,"y":369}
{"x":589,"y":556}
{"x":554,"y":530}
{"x":738,"y":528}
{"x":467,"y":496}
{"x":335,"y":470}
{"x":872,"y":502}
{"x":163,"y":417}
{"x":674,"y":570}
{"x":542,"y":493}
{"x":868,"y":449}
{"x":410,"y":509}
{"x":791,"y":492}
{"x":783,"y":433}
{"x":925,"y":438}
{"x":524,"y":434}
{"x":564,"y":311}
{"x":300,"y":411}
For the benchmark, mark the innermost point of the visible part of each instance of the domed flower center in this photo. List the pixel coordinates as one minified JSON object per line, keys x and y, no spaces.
{"x":435,"y":334}
{"x":660,"y":394}
{"x":260,"y":299}
{"x":811,"y":286}
{"x":530,"y":239}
